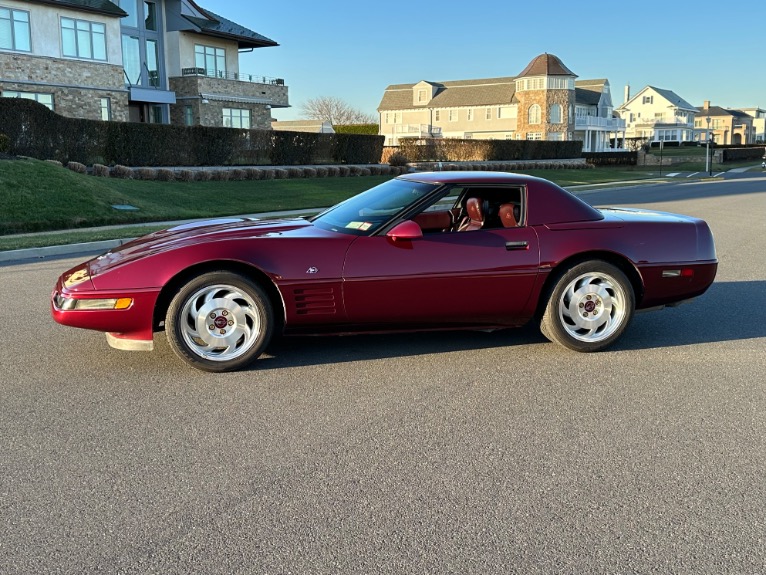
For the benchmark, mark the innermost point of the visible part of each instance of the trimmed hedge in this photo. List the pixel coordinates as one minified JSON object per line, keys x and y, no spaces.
{"x":366,"y":129}
{"x":740,"y":154}
{"x":33,"y":130}
{"x":454,"y":150}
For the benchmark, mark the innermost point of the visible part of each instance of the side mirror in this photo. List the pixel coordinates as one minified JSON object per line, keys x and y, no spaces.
{"x":408,"y":230}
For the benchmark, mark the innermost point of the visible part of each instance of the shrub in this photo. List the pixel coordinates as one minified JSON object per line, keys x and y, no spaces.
{"x":165,"y":175}
{"x":203,"y":175}
{"x":281,"y":174}
{"x":101,"y":170}
{"x":343,"y":171}
{"x":253,"y":173}
{"x":309,"y":173}
{"x":355,"y":170}
{"x":398,"y":159}
{"x":365,"y":172}
{"x":185,"y":175}
{"x":77,"y":167}
{"x":268,"y":174}
{"x":333,"y":171}
{"x":295,"y":172}
{"x":55,"y":163}
{"x":123,"y":172}
{"x":220,"y":175}
{"x":322,"y":172}
{"x":5,"y":144}
{"x":238,"y":175}
{"x":145,"y":174}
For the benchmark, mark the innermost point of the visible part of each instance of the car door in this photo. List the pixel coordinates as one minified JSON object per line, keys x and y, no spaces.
{"x":482,"y":277}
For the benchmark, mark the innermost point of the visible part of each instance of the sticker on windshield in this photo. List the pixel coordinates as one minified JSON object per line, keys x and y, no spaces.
{"x":363,"y":226}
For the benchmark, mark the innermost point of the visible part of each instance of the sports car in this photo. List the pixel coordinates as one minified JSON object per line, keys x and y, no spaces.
{"x":424,"y":251}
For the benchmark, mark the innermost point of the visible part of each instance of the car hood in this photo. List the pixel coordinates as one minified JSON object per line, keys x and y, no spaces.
{"x":196,"y":233}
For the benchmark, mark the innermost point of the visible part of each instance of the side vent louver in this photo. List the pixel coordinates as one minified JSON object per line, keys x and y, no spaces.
{"x":315,"y":301}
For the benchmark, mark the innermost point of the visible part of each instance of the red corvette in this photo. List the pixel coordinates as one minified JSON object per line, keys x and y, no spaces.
{"x":423,"y":251}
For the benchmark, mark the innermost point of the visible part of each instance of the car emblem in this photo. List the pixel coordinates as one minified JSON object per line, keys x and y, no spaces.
{"x":312,"y":270}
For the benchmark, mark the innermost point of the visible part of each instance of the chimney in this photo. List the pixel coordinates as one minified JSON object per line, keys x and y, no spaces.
{"x":706,"y":105}
{"x":627,"y":93}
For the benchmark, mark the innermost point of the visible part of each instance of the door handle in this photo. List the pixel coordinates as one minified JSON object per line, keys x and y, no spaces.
{"x":516,"y":245}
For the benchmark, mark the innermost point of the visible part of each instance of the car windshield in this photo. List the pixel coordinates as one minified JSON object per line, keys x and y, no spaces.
{"x":367,"y":212}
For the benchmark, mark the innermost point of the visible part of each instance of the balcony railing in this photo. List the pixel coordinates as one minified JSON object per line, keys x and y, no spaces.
{"x":237,"y":76}
{"x":669,"y":121}
{"x":417,"y":131}
{"x":582,"y":122}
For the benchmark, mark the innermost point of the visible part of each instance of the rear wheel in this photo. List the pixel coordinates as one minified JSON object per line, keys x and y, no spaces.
{"x":589,"y":307}
{"x":219,"y":321}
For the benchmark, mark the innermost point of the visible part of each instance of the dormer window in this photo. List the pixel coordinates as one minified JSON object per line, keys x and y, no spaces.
{"x":421,"y":96}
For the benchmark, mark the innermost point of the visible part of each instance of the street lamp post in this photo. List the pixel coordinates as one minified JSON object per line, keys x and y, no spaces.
{"x":708,"y":163}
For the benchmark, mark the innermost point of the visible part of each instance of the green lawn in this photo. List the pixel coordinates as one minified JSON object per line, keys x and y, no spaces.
{"x":38,"y":196}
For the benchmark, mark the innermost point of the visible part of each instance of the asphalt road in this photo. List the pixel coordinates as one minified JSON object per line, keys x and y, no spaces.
{"x":437,"y":453}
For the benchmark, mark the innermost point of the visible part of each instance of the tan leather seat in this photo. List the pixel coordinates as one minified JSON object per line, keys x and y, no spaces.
{"x":509,"y":215}
{"x":475,"y":215}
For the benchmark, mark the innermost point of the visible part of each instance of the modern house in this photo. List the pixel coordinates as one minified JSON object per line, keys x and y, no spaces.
{"x":655,"y":114}
{"x":724,"y":126}
{"x":158,"y":61}
{"x":544,"y":102}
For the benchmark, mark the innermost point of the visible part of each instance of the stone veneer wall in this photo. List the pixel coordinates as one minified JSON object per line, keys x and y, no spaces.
{"x":544,"y":99}
{"x":77,"y":86}
{"x":189,"y":88}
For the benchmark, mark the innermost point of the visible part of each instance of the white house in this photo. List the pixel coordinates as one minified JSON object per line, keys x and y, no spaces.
{"x":657,"y":115}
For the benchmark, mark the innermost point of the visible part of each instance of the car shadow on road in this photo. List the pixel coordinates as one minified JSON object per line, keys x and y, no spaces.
{"x":729,"y":311}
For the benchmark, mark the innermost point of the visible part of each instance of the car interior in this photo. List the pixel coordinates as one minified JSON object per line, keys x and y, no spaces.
{"x":474,"y":208}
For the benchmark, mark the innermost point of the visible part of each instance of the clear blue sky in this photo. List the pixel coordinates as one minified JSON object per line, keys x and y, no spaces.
{"x":353,"y":49}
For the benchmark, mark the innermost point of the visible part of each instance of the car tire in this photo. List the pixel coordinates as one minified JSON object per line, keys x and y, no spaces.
{"x":220,"y":321}
{"x":589,"y":307}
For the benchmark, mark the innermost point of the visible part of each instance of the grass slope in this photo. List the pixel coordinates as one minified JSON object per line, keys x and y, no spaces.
{"x":39,"y":196}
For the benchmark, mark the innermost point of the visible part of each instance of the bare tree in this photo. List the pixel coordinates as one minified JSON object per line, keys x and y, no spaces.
{"x":336,"y":111}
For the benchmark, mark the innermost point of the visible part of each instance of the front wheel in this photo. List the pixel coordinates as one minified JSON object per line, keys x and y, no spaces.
{"x":219,"y":321}
{"x":589,"y":307}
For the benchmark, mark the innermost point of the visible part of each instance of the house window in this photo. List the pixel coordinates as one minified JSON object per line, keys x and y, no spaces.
{"x":131,"y":7}
{"x":647,"y":100}
{"x":452,"y":114}
{"x":555,"y":114}
{"x":14,"y":30}
{"x":437,"y":115}
{"x":106,"y":109}
{"x":152,"y":66}
{"x":421,"y":95}
{"x":236,"y":118}
{"x":210,"y":59}
{"x":488,"y":114}
{"x":535,"y":115}
{"x":44,"y":99}
{"x":470,"y":114}
{"x":534,"y":136}
{"x":188,"y":116}
{"x":83,"y":39}
{"x":150,"y":13}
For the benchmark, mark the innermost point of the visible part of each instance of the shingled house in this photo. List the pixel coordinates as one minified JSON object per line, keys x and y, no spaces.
{"x":544,"y":102}
{"x":157,"y":61}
